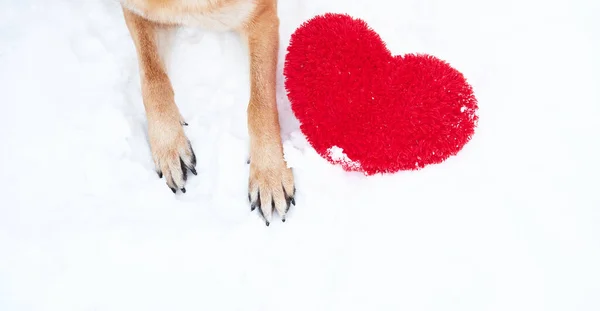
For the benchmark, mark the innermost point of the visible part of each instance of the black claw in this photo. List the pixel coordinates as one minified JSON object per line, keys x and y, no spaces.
{"x":193,"y":154}
{"x":268,"y":223}
{"x":193,"y":169}
{"x":172,"y":183}
{"x":289,"y":199}
{"x":159,"y":174}
{"x":183,"y":190}
{"x":283,"y":219}
{"x":258,"y":200}
{"x":252,"y":205}
{"x":183,"y":169}
{"x":185,"y":123}
{"x":257,"y":204}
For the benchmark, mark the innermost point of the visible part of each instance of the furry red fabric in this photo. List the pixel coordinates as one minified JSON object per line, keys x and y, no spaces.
{"x":368,"y":110}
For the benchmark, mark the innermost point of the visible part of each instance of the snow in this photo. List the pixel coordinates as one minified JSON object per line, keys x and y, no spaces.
{"x":510,"y":223}
{"x":338,"y":156}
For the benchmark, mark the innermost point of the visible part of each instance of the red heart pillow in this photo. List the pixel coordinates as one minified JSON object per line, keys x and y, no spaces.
{"x":370,"y":111}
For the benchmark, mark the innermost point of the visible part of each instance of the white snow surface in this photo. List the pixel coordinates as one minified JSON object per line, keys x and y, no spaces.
{"x":510,"y":223}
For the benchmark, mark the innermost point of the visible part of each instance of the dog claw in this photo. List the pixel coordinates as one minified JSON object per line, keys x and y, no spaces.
{"x":184,"y":172}
{"x":174,"y":190}
{"x":278,"y":202}
{"x":183,"y":190}
{"x":290,"y":200}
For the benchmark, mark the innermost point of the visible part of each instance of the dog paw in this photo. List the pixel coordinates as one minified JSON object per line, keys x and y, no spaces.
{"x":271,"y":187}
{"x":172,"y":153}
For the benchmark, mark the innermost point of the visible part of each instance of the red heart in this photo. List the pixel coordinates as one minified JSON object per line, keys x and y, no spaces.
{"x":387,"y":113}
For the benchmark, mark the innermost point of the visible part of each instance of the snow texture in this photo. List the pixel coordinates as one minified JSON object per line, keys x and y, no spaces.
{"x":510,"y":223}
{"x":338,"y":156}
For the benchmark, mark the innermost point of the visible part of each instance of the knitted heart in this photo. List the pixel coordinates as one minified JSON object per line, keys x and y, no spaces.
{"x":369,"y":111}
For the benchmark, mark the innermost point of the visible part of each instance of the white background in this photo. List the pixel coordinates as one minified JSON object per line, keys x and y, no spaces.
{"x":511,"y":223}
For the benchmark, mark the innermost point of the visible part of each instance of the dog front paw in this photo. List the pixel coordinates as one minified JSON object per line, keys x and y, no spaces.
{"x":271,"y":186}
{"x":172,"y":153}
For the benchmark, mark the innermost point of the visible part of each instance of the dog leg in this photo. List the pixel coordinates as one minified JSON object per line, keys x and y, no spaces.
{"x":271,"y":183}
{"x":171,"y":150}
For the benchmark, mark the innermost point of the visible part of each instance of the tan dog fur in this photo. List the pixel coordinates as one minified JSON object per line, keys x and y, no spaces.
{"x":271,"y":182}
